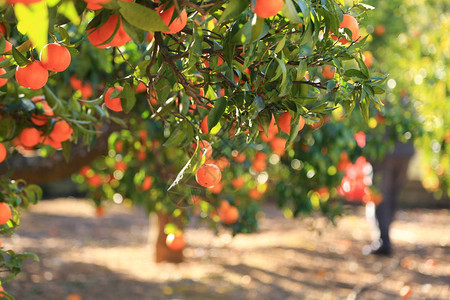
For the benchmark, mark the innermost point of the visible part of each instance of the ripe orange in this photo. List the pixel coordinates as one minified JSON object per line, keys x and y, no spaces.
{"x":121,"y":166}
{"x":259,"y":165}
{"x":76,"y":83}
{"x":141,"y":88}
{"x":328,"y":72}
{"x":55,"y":57}
{"x":5,"y":213}
{"x":267,"y":8}
{"x":254,"y":194}
{"x":95,"y":181}
{"x":95,"y":4}
{"x":260,"y":156}
{"x":204,"y":125}
{"x":222,"y":162}
{"x":177,"y":24}
{"x":368,"y":58}
{"x":238,"y":157}
{"x":380,"y":30}
{"x":217,"y":188}
{"x":350,"y":23}
{"x":284,"y":122}
{"x":147,"y":183}
{"x":273,"y":130}
{"x":30,"y":137}
{"x":228,"y":214}
{"x":204,"y":146}
{"x":2,"y":29}
{"x":3,"y":152}
{"x":86,"y":90}
{"x":61,"y":131}
{"x":238,"y":182}
{"x":98,"y":36}
{"x":208,"y":175}
{"x":52,"y":143}
{"x":42,"y":119}
{"x":84,"y":170}
{"x":99,"y":211}
{"x":175,"y":241}
{"x":33,"y":76}
{"x":8,"y":47}
{"x":3,"y":81}
{"x":278,"y":146}
{"x":113,"y":103}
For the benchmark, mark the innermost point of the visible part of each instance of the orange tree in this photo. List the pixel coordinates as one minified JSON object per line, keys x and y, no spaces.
{"x":205,"y":68}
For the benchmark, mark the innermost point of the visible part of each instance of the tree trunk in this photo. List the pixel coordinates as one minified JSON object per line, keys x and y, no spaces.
{"x":40,"y":170}
{"x":163,"y":253}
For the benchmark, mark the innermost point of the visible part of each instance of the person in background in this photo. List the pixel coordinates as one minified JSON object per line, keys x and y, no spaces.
{"x":389,"y":177}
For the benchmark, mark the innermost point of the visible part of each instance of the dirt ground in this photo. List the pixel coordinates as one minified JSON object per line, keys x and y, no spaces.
{"x":110,"y":258}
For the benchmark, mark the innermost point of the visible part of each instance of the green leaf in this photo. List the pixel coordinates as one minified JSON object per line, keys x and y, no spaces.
{"x":176,"y":137}
{"x":319,"y":108}
{"x":354,"y":73}
{"x":290,"y":12}
{"x":364,"y":107}
{"x":301,"y":70}
{"x":280,"y":45}
{"x":19,"y":58}
{"x":264,"y":119}
{"x":258,"y":28}
{"x":217,"y":112}
{"x":142,"y":17}
{"x":136,"y":34}
{"x":67,"y":145}
{"x":8,"y":74}
{"x":128,"y":98}
{"x":233,"y":10}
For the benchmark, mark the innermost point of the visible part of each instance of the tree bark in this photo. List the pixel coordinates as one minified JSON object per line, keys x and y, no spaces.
{"x":40,"y":170}
{"x":163,"y":253}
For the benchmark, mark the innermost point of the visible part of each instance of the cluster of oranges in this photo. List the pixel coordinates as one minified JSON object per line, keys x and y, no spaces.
{"x":100,"y":37}
{"x":53,"y":57}
{"x":355,"y":185}
{"x":61,"y":130}
{"x":277,"y":143}
{"x":29,"y":137}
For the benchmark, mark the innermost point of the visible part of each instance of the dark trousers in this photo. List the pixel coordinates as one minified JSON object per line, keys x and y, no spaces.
{"x":389,"y":178}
